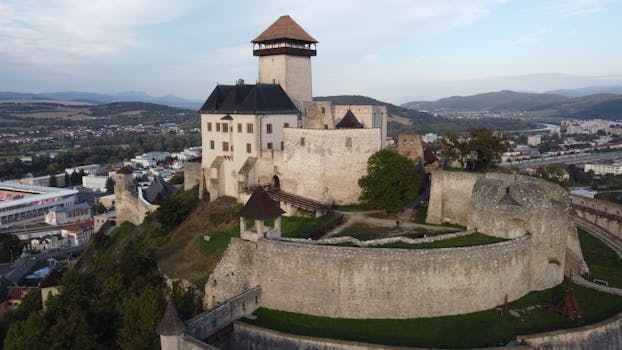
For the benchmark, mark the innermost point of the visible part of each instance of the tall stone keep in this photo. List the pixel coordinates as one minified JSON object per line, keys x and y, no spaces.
{"x":284,"y":51}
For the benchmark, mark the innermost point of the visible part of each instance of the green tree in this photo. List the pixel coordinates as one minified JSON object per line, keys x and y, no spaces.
{"x":553,"y":173}
{"x":476,"y":150}
{"x":110,"y":186}
{"x":177,"y":178}
{"x":456,"y":148}
{"x":53,"y":182}
{"x":391,"y":182}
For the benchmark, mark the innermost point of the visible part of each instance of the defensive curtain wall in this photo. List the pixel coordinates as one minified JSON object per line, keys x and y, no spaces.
{"x":323,"y":165}
{"x":374,"y":283}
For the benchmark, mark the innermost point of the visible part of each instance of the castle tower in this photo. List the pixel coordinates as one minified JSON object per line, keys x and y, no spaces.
{"x":285,"y":51}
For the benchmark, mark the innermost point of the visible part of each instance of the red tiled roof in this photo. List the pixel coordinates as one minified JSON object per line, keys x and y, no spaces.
{"x":79,"y":225}
{"x":17,"y":293}
{"x":284,"y":28}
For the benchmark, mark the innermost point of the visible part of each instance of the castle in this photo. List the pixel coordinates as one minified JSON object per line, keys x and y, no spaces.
{"x":273,"y":132}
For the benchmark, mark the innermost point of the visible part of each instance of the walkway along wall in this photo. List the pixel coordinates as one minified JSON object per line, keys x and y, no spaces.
{"x":605,"y":214}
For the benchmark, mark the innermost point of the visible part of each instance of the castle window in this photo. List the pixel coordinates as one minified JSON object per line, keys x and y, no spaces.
{"x":282,"y":146}
{"x":211,"y":144}
{"x":248,"y":148}
{"x":217,"y":126}
{"x":269,"y":145}
{"x":249,"y":128}
{"x":269,"y":128}
{"x":348,"y":142}
{"x":323,"y":110}
{"x":225,"y":146}
{"x":209,"y":126}
{"x":286,"y":125}
{"x":225,"y":127}
{"x":239,"y":128}
{"x":302,"y":141}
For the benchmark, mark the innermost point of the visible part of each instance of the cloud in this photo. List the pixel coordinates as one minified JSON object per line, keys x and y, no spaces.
{"x":574,"y":8}
{"x":532,"y":38}
{"x":49,"y":33}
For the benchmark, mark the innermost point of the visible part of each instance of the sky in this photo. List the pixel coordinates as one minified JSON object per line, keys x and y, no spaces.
{"x":392,"y":50}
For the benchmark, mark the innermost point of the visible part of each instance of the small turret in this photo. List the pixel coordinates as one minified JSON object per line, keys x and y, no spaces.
{"x":171,"y":329}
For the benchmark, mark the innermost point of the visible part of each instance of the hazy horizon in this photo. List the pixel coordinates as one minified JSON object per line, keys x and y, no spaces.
{"x":395,"y":51}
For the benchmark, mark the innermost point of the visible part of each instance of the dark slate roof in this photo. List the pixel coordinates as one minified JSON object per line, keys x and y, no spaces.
{"x":429,"y":156}
{"x":171,"y":323}
{"x":249,"y":99}
{"x":158,"y":190}
{"x":227,"y":117}
{"x":349,"y":121}
{"x":52,"y":279}
{"x":284,"y":28}
{"x":260,"y":206}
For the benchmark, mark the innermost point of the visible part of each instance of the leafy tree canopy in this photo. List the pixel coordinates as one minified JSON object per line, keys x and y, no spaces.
{"x":391,"y":182}
{"x":476,"y":150}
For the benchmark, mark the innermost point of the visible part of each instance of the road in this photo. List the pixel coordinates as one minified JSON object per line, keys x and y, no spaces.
{"x":566,"y":159}
{"x":22,"y":267}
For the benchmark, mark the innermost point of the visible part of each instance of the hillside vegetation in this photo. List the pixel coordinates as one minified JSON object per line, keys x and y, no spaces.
{"x":607,"y":106}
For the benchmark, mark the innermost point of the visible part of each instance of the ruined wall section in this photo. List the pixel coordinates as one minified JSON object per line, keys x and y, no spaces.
{"x":234,"y":274}
{"x":450,"y":196}
{"x":506,"y":208}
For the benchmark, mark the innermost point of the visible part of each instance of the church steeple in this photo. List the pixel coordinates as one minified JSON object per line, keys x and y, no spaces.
{"x":284,"y":51}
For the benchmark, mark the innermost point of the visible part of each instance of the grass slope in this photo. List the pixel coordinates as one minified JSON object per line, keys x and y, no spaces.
{"x":476,"y":329}
{"x":603,"y":262}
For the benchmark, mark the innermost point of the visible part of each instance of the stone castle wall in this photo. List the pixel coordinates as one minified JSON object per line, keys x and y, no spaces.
{"x":192,"y":175}
{"x":374,"y":283}
{"x":450,"y":196}
{"x":605,"y":214}
{"x":325,"y":166}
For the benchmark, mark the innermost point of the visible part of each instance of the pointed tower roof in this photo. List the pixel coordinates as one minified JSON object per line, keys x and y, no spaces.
{"x":171,"y":323}
{"x":260,"y":206}
{"x":284,"y":28}
{"x":349,"y":121}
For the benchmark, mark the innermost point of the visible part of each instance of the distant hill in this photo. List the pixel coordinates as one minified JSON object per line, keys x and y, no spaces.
{"x":130,"y":96}
{"x":501,"y":100}
{"x":590,"y":90}
{"x":607,"y":106}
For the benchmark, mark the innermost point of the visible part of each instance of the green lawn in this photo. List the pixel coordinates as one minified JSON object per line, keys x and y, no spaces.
{"x":476,"y":329}
{"x":297,"y":227}
{"x":603,"y":262}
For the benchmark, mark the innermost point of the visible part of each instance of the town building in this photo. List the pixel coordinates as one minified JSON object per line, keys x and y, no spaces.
{"x":600,"y":169}
{"x":61,"y":215}
{"x":95,"y":182}
{"x":534,"y":140}
{"x":28,"y":202}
